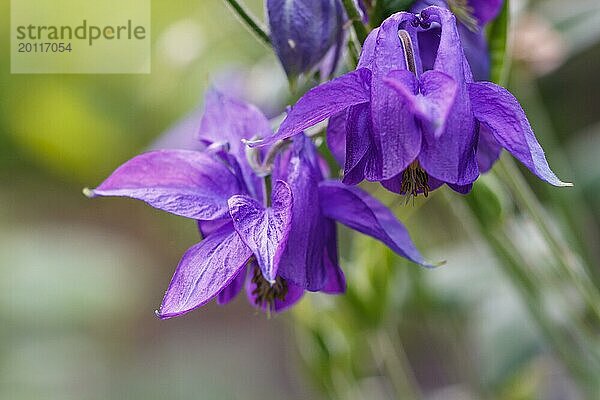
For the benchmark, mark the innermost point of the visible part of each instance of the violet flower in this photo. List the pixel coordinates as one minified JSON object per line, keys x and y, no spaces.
{"x":472,"y":18}
{"x":276,"y":248}
{"x":303,"y":32}
{"x":413,"y":130}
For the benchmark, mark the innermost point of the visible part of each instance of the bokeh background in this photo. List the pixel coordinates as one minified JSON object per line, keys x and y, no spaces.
{"x":80,"y":279}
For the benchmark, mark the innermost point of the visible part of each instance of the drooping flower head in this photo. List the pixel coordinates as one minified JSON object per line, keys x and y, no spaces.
{"x":414,"y":129}
{"x":275,"y":240}
{"x":303,"y":32}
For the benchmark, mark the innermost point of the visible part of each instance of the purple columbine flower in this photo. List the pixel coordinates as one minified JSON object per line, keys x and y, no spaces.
{"x":415,"y":130}
{"x":277,"y":245}
{"x":303,"y":32}
{"x":472,"y":17}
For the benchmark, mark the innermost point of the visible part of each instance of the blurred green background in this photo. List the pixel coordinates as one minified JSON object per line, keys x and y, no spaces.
{"x":80,"y":279}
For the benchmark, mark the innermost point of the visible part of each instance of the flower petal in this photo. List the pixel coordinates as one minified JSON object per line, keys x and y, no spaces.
{"x":358,"y":144}
{"x":301,"y":262}
{"x":264,"y":230}
{"x":367,"y":53}
{"x":488,"y":149}
{"x":229,"y":120}
{"x":336,"y":282}
{"x":476,"y":50}
{"x":497,"y":109}
{"x":230,"y":291}
{"x":436,"y":97}
{"x":209,"y":227}
{"x":322,"y":102}
{"x":336,"y":137}
{"x":183,"y":182}
{"x":450,"y":157}
{"x":485,"y":10}
{"x":396,"y":136}
{"x":355,"y":208}
{"x":203,"y":272}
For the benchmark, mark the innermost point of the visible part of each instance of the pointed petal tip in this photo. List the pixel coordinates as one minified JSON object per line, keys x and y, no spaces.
{"x":89,"y":193}
{"x":162,"y":315}
{"x":432,"y":264}
{"x":437,"y":264}
{"x":159,"y":315}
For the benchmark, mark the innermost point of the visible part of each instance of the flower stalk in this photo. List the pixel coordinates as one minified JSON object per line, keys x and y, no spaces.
{"x":250,"y":21}
{"x":353,"y":12}
{"x":518,"y":271}
{"x":569,"y":265}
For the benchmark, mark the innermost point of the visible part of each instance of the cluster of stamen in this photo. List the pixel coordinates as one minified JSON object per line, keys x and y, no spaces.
{"x":414,"y":181}
{"x":265,"y":292}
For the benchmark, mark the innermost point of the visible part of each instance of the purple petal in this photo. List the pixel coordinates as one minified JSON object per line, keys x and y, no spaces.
{"x":474,"y":42}
{"x":429,"y":41}
{"x":436,"y":97}
{"x":355,"y":208}
{"x":396,"y":136}
{"x":264,"y":230}
{"x":367,"y":54}
{"x":301,"y":262}
{"x":228,"y":120}
{"x":359,"y":151}
{"x":388,"y":52}
{"x":209,"y":227}
{"x":183,"y":182}
{"x":476,"y":50}
{"x":322,"y":102}
{"x":488,"y":149}
{"x":462,"y":189}
{"x":231,"y":291}
{"x":451,"y":156}
{"x":204,"y":270}
{"x":336,"y":282}
{"x":485,"y":10}
{"x":497,"y":109}
{"x":336,"y":137}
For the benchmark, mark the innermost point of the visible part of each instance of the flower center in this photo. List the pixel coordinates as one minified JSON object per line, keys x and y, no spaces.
{"x":414,"y":181}
{"x":265,"y":292}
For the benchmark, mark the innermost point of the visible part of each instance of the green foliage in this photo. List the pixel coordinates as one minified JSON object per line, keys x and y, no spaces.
{"x":384,"y":8}
{"x":498,"y":36}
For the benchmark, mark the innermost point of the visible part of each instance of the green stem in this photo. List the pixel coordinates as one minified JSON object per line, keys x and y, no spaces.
{"x":512,"y":267}
{"x":267,"y":190}
{"x":397,"y":367}
{"x":250,"y":20}
{"x":354,"y":53}
{"x":568,"y":262}
{"x":354,"y":15}
{"x":517,"y":271}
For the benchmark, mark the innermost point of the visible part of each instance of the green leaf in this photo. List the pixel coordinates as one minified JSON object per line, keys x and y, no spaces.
{"x":498,"y":45}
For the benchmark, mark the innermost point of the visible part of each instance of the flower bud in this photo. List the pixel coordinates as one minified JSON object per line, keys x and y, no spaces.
{"x":303,"y":31}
